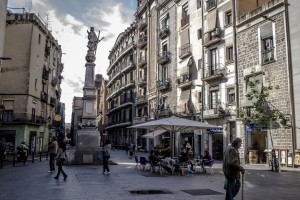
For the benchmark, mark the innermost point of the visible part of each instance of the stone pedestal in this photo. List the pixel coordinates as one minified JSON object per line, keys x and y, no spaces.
{"x":87,"y":148}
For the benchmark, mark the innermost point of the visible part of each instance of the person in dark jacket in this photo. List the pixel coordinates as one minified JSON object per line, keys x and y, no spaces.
{"x":106,"y":155}
{"x":232,"y":168}
{"x":60,"y":159}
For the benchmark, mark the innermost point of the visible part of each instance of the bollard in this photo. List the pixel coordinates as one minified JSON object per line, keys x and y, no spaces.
{"x":40,"y":156}
{"x":47,"y":155}
{"x":32,"y":161}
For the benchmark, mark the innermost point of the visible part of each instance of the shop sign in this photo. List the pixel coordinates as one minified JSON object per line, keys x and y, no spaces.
{"x":215,"y":130}
{"x":250,"y":127}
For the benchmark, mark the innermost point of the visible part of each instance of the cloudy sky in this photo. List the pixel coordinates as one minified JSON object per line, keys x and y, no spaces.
{"x":69,"y":21}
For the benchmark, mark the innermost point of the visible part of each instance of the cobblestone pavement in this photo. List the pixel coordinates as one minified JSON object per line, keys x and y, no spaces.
{"x":86,"y":182}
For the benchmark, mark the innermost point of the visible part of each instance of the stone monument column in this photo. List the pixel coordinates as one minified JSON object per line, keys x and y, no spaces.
{"x":88,"y":137}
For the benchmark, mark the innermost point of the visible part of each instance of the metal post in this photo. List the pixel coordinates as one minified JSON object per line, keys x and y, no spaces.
{"x":32,"y":161}
{"x":40,"y":156}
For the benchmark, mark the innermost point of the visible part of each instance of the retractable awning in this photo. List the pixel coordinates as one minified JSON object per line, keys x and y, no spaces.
{"x":153,"y":134}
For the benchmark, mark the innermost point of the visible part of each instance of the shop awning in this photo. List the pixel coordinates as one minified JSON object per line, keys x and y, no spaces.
{"x":153,"y":134}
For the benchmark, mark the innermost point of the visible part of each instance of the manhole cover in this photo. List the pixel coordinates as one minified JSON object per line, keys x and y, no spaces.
{"x":200,"y":192}
{"x":145,"y":192}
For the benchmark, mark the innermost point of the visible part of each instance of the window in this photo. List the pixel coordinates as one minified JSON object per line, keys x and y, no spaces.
{"x":267,"y":50}
{"x":164,"y":74}
{"x":230,"y":95}
{"x":228,"y":18}
{"x":164,"y":48}
{"x":214,"y":97}
{"x":7,"y":116}
{"x":213,"y":61}
{"x":199,"y":33}
{"x":198,"y":4}
{"x":229,"y":54}
{"x":165,"y":22}
{"x":267,"y":43}
{"x":210,"y":4}
{"x":185,"y":11}
{"x":199,"y":97}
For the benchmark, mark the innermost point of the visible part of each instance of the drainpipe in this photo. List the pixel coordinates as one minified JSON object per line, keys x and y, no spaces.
{"x":203,"y":82}
{"x":290,"y":71}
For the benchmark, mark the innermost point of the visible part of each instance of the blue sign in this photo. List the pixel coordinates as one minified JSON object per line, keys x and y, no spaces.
{"x":250,"y":127}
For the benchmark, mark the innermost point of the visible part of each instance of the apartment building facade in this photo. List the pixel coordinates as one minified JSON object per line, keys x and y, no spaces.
{"x":121,"y":87}
{"x":262,"y":56}
{"x":30,"y":83}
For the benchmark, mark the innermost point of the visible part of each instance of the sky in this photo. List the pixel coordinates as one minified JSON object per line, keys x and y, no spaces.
{"x":69,"y":21}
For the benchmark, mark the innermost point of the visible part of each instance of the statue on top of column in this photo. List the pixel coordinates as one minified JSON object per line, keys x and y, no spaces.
{"x":92,"y":44}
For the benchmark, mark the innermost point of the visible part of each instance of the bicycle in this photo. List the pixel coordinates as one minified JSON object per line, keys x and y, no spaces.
{"x":273,"y":162}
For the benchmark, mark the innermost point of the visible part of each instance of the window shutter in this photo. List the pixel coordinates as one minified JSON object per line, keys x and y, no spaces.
{"x":266,"y":30}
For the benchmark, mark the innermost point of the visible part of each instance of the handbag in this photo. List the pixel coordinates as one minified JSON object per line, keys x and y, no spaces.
{"x":100,"y":156}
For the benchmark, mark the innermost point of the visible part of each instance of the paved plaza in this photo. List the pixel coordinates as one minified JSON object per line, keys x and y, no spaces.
{"x":86,"y":182}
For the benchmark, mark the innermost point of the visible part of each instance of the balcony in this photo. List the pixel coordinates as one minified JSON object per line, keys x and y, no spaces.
{"x":141,"y":99}
{"x":164,"y":84}
{"x":185,"y":50}
{"x":142,"y":62}
{"x":127,"y":85}
{"x":54,"y":81}
{"x":24,"y":118}
{"x":211,"y":38}
{"x":183,"y":81}
{"x":215,"y":75}
{"x":44,"y":97}
{"x":142,"y":23}
{"x":164,"y":57}
{"x":164,"y":112}
{"x":138,"y":120}
{"x":185,"y":20}
{"x":46,"y":73}
{"x":127,"y":67}
{"x":214,"y":113}
{"x":164,"y":32}
{"x":58,"y":93}
{"x":52,"y":101}
{"x":142,"y":81}
{"x":142,"y":41}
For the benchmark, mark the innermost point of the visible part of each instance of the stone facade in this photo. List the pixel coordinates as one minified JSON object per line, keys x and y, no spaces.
{"x":30,"y":83}
{"x":274,"y":72}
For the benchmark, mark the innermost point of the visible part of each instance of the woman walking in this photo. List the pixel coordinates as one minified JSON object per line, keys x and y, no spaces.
{"x":60,"y":159}
{"x":106,"y":155}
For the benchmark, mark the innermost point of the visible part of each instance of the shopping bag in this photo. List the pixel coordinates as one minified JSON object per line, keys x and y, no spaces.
{"x":100,"y":156}
{"x":225,"y":184}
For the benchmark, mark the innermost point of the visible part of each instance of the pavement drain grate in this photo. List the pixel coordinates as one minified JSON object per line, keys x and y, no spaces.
{"x":147,"y":192}
{"x":200,"y":192}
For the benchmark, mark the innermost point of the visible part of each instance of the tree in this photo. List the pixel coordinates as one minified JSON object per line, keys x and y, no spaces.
{"x":261,"y":111}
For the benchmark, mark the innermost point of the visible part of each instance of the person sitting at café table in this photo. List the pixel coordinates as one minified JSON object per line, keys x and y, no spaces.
{"x":206,"y":159}
{"x":155,"y":159}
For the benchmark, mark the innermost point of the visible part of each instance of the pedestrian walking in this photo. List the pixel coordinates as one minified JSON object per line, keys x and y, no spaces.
{"x":2,"y":151}
{"x":232,"y":168}
{"x":106,"y":155}
{"x":60,"y":159}
{"x":53,"y":147}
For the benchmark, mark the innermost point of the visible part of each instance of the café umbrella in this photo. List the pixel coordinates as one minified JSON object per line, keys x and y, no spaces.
{"x":174,"y":124}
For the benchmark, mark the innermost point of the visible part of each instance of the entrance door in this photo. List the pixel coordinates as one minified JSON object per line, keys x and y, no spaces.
{"x":32,"y":142}
{"x":217,"y":146}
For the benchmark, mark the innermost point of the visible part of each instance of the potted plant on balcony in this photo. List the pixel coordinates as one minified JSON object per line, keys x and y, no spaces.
{"x":164,"y":32}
